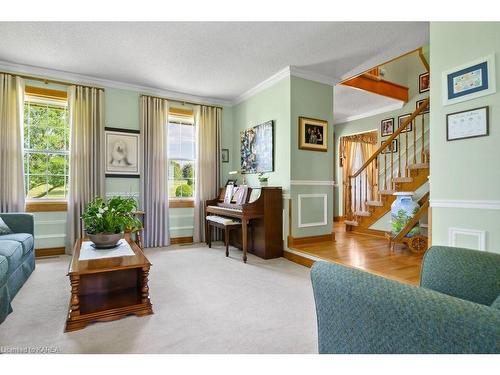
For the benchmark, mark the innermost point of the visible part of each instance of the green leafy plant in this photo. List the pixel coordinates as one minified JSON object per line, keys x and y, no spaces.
{"x":184,"y":191}
{"x":113,"y":216}
{"x":262,"y":177}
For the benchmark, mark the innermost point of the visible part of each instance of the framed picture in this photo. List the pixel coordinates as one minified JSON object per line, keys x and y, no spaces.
{"x":419,"y":103}
{"x":313,"y":134}
{"x":231,"y":182}
{"x":393,"y":147}
{"x":402,"y":119}
{"x":467,"y":124}
{"x":423,"y":82}
{"x":257,"y":148}
{"x":469,"y":81}
{"x":225,"y":155}
{"x":122,"y":152}
{"x":387,"y":127}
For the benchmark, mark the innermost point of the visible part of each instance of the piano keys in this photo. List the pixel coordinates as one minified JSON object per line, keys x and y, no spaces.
{"x":264,"y":212}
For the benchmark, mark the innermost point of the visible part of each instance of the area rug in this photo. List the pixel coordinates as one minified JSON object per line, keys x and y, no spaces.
{"x":203,"y":302}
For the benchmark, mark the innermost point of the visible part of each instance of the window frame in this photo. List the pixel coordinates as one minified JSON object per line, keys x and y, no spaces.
{"x":180,"y":113}
{"x":55,"y":98}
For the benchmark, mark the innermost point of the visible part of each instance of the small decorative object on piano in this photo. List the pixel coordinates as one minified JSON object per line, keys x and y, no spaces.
{"x":263,"y":179}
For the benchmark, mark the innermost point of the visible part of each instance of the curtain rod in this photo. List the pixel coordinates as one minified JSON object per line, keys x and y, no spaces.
{"x":182,"y":101}
{"x":48,"y":80}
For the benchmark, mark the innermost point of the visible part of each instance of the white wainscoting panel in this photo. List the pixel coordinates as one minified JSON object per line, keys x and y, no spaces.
{"x":301,"y":197}
{"x":480,"y":235}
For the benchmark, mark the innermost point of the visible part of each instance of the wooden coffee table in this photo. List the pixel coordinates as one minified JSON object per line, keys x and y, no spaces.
{"x":108,"y":288}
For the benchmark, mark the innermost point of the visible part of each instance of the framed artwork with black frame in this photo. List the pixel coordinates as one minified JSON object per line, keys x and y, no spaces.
{"x":402,"y":119}
{"x":419,"y":103}
{"x":471,"y":123}
{"x":423,"y":82}
{"x":225,"y":155}
{"x":122,"y":152}
{"x":394,"y":147}
{"x":387,"y":127}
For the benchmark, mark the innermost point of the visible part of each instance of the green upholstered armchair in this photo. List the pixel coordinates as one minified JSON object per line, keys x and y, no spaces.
{"x":450,"y":312}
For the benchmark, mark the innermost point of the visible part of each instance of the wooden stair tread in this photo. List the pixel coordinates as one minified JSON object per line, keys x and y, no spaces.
{"x":419,"y":166}
{"x":351,"y":222}
{"x":362,"y":213}
{"x":374,"y":203}
{"x":402,"y":179}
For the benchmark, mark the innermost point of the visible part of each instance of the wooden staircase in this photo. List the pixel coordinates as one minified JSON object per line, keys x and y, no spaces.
{"x":368,"y":192}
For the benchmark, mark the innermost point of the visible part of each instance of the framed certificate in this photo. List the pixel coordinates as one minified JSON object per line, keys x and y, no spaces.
{"x":467,"y":124}
{"x":469,"y":81}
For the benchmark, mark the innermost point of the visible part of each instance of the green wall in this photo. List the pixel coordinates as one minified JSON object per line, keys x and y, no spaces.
{"x":464,"y":170}
{"x":272,"y":103}
{"x":314,"y":100}
{"x":405,"y":71}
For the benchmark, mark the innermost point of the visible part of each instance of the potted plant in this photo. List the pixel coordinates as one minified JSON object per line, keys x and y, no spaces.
{"x":263,"y":179}
{"x":105,"y":221}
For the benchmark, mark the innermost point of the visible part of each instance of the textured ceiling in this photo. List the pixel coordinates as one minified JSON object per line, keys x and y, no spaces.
{"x":211,"y":59}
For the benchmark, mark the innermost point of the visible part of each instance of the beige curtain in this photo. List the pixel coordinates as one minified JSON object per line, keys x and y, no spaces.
{"x":154,"y":181}
{"x":368,"y":149}
{"x":86,"y":171}
{"x":347,"y":154}
{"x":208,"y":150}
{"x":12,"y":190}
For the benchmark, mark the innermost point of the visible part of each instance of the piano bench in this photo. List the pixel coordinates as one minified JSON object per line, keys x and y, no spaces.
{"x":223,"y":223}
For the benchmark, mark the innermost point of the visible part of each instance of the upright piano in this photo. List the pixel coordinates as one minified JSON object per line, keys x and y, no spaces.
{"x":263,"y":213}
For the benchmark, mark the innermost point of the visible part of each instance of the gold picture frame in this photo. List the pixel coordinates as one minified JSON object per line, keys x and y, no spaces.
{"x":313,"y":134}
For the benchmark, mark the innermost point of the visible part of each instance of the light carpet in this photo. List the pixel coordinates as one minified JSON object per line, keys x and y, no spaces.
{"x":203,"y":302}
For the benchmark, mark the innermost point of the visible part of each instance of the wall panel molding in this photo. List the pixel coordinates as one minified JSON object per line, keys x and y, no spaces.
{"x":300,"y":197}
{"x":479,"y":234}
{"x":471,"y":204}
{"x":313,"y":183}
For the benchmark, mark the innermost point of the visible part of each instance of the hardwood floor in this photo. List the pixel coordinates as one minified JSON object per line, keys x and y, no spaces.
{"x":368,"y":253}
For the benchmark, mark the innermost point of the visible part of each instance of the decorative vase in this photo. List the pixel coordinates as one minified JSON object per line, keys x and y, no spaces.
{"x":402,"y":210}
{"x":105,"y":240}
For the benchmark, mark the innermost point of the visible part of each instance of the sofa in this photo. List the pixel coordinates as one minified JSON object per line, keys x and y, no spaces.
{"x":17,"y":258}
{"x":456,"y":308}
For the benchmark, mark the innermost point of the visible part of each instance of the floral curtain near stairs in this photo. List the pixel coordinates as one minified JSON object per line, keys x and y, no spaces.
{"x":354,"y":151}
{"x":154,"y":179}
{"x":11,"y":144}
{"x":86,"y":171}
{"x":208,"y":150}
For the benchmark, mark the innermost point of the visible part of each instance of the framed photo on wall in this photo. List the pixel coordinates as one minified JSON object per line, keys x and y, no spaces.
{"x":313,"y":134}
{"x":419,"y":103}
{"x":225,"y":155}
{"x":471,"y":123}
{"x":393,"y":147}
{"x":122,"y":152}
{"x":469,"y":81}
{"x":402,"y":119}
{"x":387,"y":127}
{"x":423,"y":82}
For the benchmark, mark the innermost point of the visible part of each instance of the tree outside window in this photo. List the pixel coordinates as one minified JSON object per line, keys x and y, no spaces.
{"x":181,"y":151}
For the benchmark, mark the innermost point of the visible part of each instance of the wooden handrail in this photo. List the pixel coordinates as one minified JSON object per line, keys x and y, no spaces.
{"x":389,"y":140}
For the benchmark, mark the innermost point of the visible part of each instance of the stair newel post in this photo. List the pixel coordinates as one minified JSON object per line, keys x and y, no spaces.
{"x":354,"y":195}
{"x":366,"y":189}
{"x":347,"y":199}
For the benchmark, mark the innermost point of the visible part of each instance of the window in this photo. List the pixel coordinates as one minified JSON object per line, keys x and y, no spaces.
{"x":46,"y":148}
{"x":182,"y":155}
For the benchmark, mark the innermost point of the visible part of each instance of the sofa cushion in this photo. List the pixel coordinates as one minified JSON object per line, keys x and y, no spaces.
{"x":13,"y":251}
{"x":4,"y":269}
{"x":4,"y":229}
{"x":25,"y":239}
{"x":496,"y":303}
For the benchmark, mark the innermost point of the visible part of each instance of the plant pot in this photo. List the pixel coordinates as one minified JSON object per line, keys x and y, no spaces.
{"x":105,"y":240}
{"x":402,"y":210}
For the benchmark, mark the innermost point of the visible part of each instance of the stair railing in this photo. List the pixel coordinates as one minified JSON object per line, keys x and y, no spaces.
{"x":382,"y":166}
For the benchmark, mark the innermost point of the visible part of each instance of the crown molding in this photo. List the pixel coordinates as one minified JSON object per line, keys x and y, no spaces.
{"x":311,"y":76}
{"x":275,"y":78}
{"x":378,"y":111}
{"x":283,"y":73}
{"x":95,"y":81}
